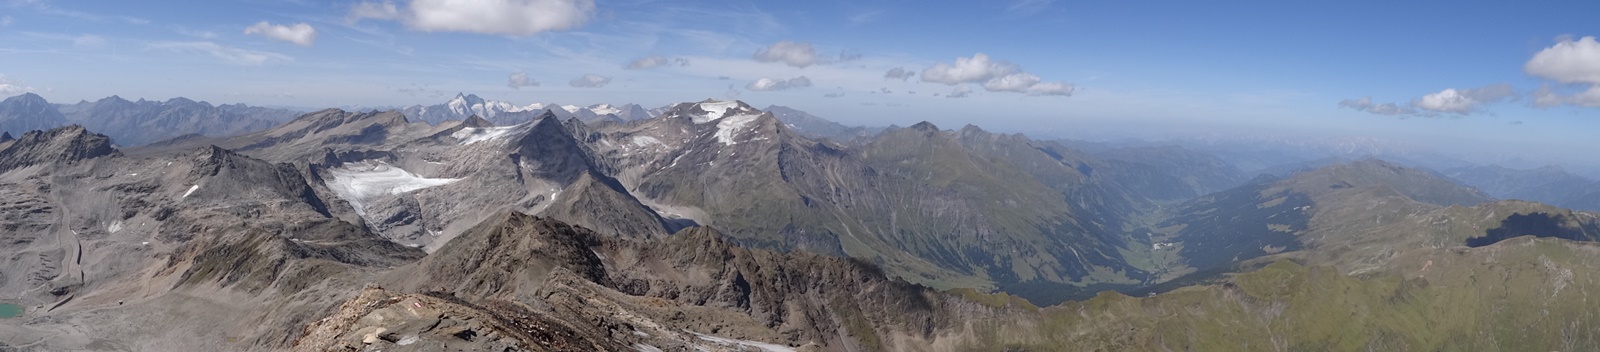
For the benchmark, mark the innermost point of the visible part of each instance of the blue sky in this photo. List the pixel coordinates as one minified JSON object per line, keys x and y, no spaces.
{"x":1459,"y":75}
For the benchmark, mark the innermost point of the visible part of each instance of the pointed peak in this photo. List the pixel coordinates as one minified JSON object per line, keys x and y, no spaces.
{"x":6,"y":137}
{"x":28,"y":97}
{"x":476,"y":122}
{"x":925,"y":126}
{"x":213,"y":153}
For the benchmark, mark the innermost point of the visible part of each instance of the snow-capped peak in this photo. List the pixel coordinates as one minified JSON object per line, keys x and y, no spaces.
{"x":712,"y":109}
{"x":603,"y":109}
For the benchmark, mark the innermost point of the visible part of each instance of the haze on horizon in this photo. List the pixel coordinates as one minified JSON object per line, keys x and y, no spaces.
{"x":1494,"y":82}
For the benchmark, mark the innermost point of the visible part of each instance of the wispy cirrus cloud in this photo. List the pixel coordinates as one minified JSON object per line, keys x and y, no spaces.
{"x":227,"y":54}
{"x":655,"y":61}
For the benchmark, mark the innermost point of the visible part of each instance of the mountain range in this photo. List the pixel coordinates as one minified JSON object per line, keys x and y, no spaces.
{"x":1550,"y":185}
{"x":714,"y":225}
{"x":133,"y":123}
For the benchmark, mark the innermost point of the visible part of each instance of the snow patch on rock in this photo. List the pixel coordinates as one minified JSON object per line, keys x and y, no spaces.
{"x":472,"y":135}
{"x":361,"y":183}
{"x":714,"y":110}
{"x":190,"y":191}
{"x":645,"y":141}
{"x":730,"y":126}
{"x":743,"y":343}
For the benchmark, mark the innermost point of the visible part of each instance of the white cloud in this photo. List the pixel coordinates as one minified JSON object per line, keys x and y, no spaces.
{"x":590,"y":81}
{"x":301,"y":34}
{"x":5,"y":21}
{"x":768,"y":84}
{"x":960,"y":92}
{"x":1365,"y":105}
{"x":1051,"y":88}
{"x":510,"y":17}
{"x":1016,"y":82}
{"x":1575,"y":62}
{"x":1569,"y":61}
{"x":1588,"y":98}
{"x":520,"y":79}
{"x":1448,"y":100}
{"x":975,"y":69}
{"x":797,"y":54}
{"x":9,"y":87}
{"x":228,"y":54}
{"x":899,"y":73}
{"x":1464,"y":101}
{"x":995,"y":76}
{"x":656,"y":61}
{"x":88,"y":41}
{"x":1546,"y":97}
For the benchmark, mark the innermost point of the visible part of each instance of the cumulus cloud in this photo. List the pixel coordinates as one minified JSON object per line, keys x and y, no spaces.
{"x":1569,"y":61}
{"x":520,"y":79}
{"x":300,"y":33}
{"x":1572,"y":62}
{"x":1463,"y":101}
{"x":797,"y":54}
{"x":976,"y":69}
{"x":590,"y":80}
{"x":994,"y":76}
{"x":656,"y":61}
{"x":768,"y":84}
{"x":510,"y":17}
{"x":227,"y":54}
{"x":9,"y":87}
{"x":1448,"y":101}
{"x":899,"y":73}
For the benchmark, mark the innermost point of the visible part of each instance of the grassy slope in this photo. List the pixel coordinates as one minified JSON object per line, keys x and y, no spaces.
{"x":1520,"y":295}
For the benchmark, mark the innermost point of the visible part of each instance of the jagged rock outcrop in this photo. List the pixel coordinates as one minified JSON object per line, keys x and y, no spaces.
{"x":60,"y":145}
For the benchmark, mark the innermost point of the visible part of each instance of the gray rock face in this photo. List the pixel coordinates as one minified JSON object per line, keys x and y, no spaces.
{"x":28,"y":112}
{"x":60,"y":145}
